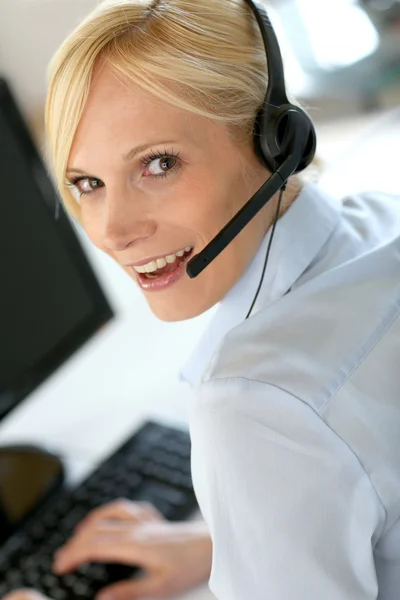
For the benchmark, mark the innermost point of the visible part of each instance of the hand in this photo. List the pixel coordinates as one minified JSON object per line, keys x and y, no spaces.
{"x":175,"y":557}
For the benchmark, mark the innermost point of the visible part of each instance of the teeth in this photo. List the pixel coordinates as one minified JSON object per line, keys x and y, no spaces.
{"x":151,"y":266}
{"x":161,"y":262}
{"x":141,"y":269}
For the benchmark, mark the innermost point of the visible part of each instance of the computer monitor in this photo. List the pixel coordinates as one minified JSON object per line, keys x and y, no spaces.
{"x":50,"y":300}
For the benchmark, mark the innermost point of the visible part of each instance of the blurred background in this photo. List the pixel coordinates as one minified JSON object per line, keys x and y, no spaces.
{"x":343,"y":63}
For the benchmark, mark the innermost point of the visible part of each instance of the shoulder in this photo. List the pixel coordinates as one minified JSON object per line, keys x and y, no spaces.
{"x":369,"y":219}
{"x":310,"y":340}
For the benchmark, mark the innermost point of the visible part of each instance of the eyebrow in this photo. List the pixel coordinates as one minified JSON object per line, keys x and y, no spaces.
{"x":129,"y":156}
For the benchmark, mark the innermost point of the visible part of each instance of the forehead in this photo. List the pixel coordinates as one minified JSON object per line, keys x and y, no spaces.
{"x":119,"y":113}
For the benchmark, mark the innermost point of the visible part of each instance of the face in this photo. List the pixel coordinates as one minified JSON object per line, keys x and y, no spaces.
{"x":156,"y":184}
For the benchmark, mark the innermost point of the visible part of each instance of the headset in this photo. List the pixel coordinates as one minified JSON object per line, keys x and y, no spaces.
{"x":284,"y":140}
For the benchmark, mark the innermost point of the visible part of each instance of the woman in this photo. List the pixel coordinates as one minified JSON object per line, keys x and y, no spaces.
{"x":295,"y":428}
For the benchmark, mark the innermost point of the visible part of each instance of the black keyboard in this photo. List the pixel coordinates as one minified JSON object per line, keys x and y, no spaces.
{"x":153,"y":465}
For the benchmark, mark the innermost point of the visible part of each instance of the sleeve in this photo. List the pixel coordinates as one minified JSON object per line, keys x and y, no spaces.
{"x":291,"y":511}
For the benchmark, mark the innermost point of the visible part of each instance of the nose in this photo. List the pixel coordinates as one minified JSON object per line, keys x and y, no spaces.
{"x":125,"y":222}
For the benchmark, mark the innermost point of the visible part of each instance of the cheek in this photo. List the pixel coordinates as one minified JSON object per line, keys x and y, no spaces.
{"x":91,"y":223}
{"x":204,"y":205}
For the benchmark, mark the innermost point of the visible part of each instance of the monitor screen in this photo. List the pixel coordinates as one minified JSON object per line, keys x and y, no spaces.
{"x":50,"y":300}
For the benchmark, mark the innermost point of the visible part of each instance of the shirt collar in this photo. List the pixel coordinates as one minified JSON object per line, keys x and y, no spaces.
{"x":299,"y":236}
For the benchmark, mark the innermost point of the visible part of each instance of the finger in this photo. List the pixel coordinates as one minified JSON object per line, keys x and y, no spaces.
{"x":101,"y":529}
{"x":91,"y":536}
{"x":121,"y":509}
{"x":101,"y":534}
{"x":106,"y":527}
{"x":112,"y":533}
{"x":126,"y":551}
{"x":141,"y":587}
{"x":25,"y":594}
{"x":99,"y":525}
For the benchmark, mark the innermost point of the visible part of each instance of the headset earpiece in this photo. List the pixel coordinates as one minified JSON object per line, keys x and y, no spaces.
{"x":273,"y":131}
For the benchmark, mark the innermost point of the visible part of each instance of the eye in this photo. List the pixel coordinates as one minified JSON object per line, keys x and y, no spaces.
{"x":85,"y":185}
{"x":160,"y":165}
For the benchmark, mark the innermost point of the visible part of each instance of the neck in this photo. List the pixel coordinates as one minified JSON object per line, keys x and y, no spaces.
{"x":293,"y":189}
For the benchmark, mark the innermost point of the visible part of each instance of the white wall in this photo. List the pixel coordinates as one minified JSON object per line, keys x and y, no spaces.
{"x":30,"y":32}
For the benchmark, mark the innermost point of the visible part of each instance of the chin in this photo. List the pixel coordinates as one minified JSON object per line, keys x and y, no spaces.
{"x":173,"y":312}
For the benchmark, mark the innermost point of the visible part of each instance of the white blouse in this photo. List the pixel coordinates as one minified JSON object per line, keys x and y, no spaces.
{"x":296,"y":424}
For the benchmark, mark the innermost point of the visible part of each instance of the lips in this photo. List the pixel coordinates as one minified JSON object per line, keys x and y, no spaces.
{"x":167,"y":276}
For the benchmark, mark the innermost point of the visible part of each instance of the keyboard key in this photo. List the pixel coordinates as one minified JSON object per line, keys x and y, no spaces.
{"x":49,"y":580}
{"x":50,"y":520}
{"x":13,"y":577}
{"x":98,"y":573}
{"x":58,"y":594}
{"x":28,"y":562}
{"x":14,"y":543}
{"x":4,"y":565}
{"x":56,"y":540}
{"x":135,"y":463}
{"x":69,"y":580}
{"x":37,"y":531}
{"x":72,"y":519}
{"x":32,"y":578}
{"x":63,"y":506}
{"x":82,"y":589}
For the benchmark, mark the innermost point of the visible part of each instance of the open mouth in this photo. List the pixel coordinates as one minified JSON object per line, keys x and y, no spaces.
{"x":166,"y":275}
{"x":169,"y":267}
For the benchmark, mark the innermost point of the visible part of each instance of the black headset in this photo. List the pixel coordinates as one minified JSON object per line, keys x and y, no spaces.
{"x":284,"y":140}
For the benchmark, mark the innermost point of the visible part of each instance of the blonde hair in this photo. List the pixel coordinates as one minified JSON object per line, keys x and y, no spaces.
{"x":210,"y":50}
